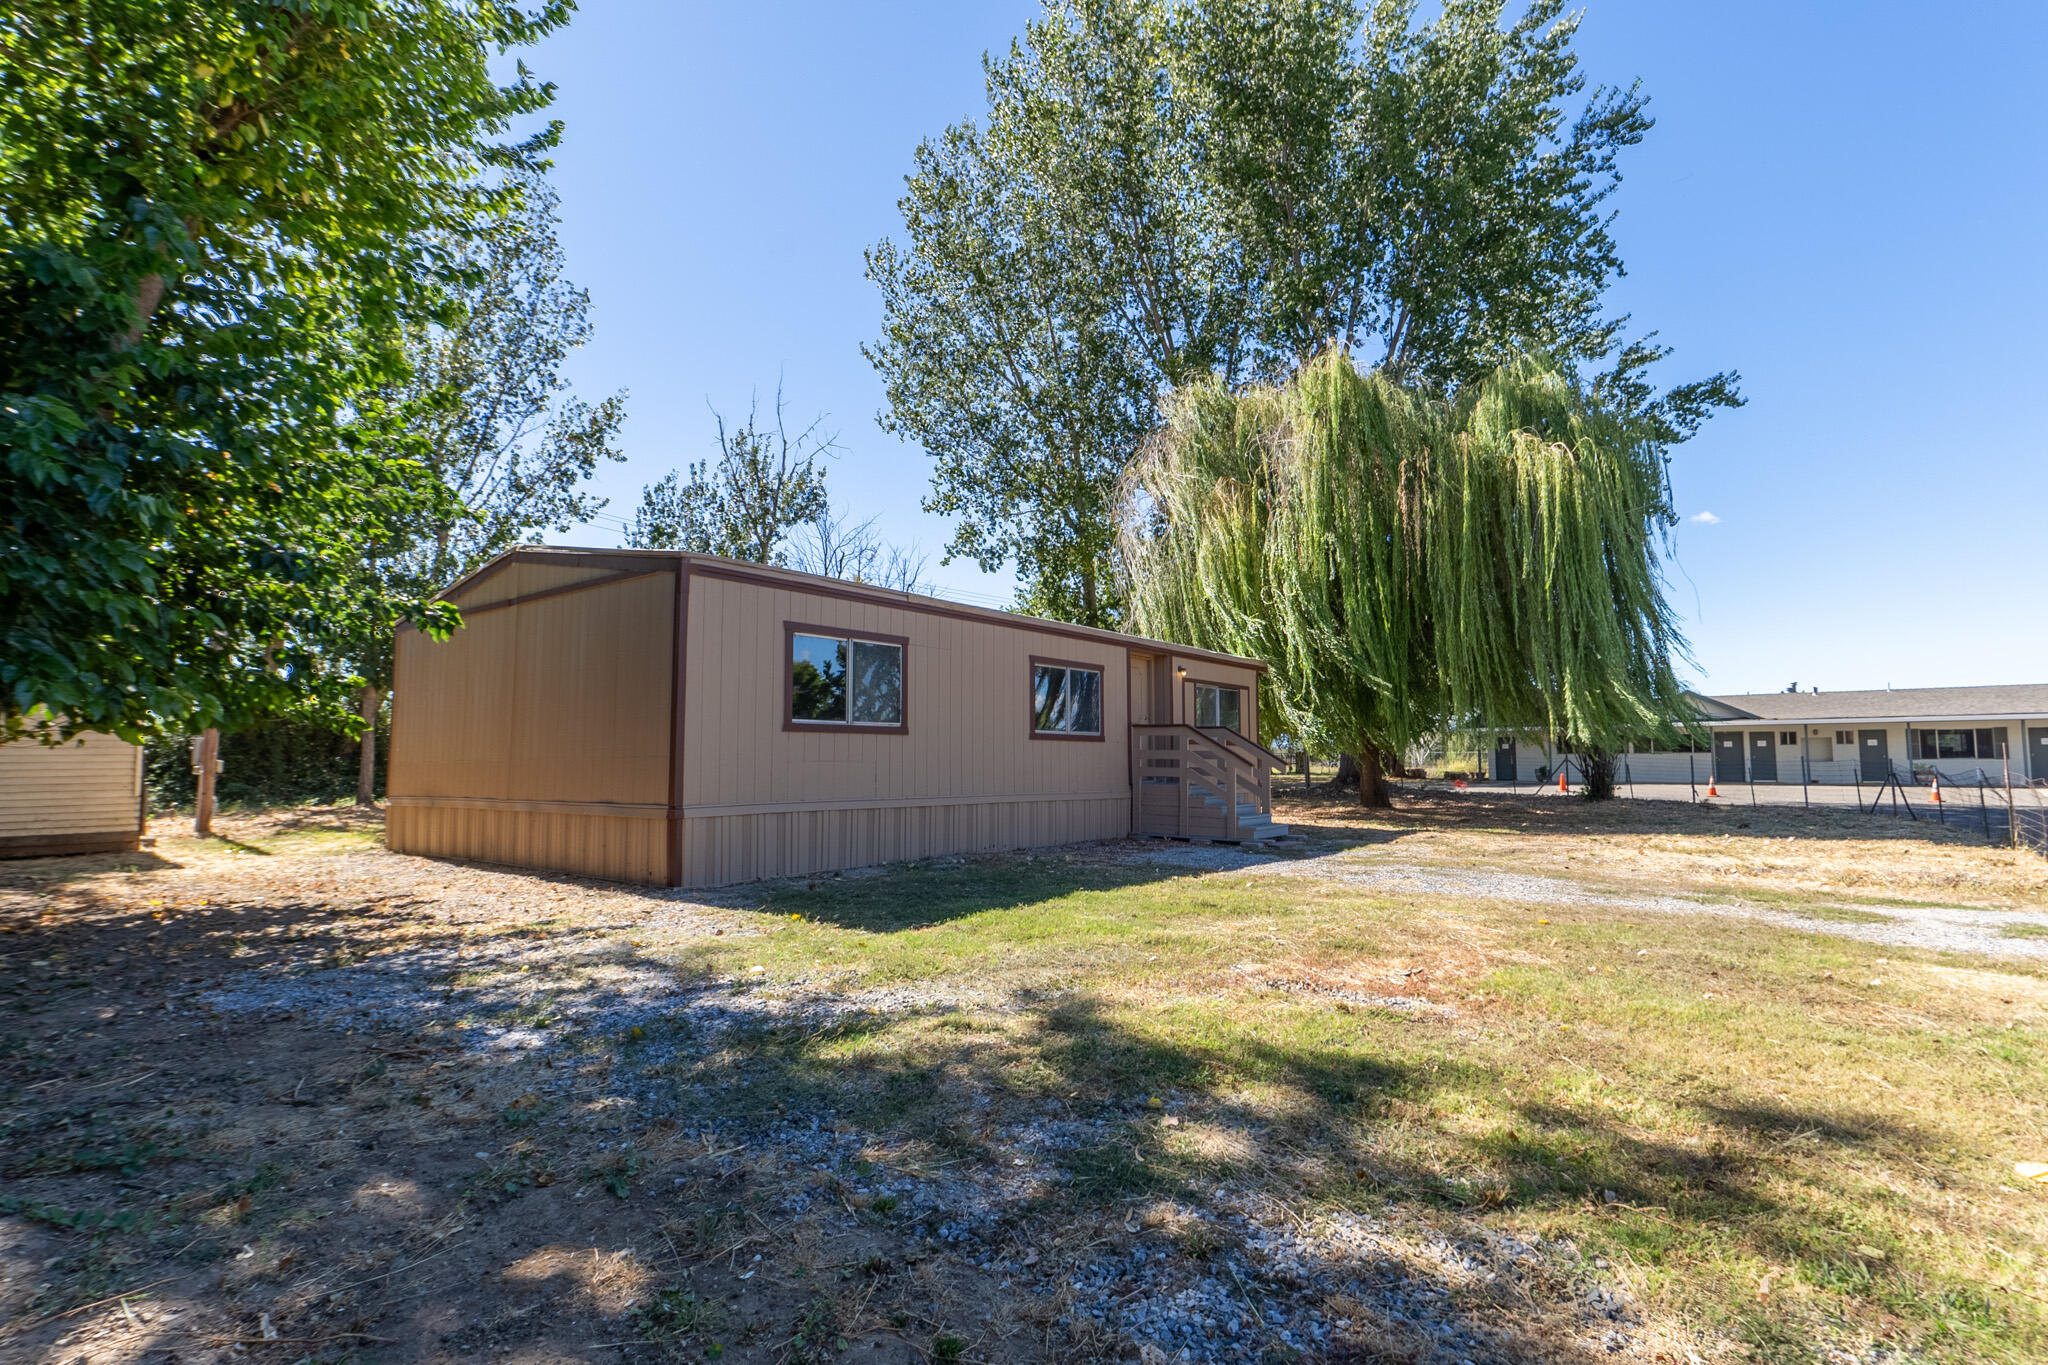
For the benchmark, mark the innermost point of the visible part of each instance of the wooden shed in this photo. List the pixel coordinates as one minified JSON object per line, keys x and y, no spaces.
{"x":674,"y":718}
{"x":82,"y":796}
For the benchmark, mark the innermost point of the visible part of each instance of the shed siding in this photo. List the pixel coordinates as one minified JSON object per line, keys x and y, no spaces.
{"x":759,"y":800}
{"x":83,"y":796}
{"x":508,"y":734}
{"x":518,"y":579}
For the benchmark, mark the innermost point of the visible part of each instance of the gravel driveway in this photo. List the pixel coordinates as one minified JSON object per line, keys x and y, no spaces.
{"x":1944,"y":927}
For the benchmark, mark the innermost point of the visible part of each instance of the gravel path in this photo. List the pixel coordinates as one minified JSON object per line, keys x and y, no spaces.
{"x":1943,"y":927}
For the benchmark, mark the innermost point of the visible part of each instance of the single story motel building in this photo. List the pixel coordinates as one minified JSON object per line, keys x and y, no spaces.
{"x":1963,"y":734}
{"x":1966,"y":734}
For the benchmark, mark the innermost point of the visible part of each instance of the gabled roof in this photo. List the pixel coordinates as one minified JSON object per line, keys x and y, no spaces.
{"x":1906,"y":703}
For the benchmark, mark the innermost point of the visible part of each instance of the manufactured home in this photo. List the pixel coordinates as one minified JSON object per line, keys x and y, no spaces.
{"x":81,"y":796}
{"x":661,"y":717}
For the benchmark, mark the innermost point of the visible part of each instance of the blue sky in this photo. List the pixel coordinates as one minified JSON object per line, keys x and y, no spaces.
{"x":1844,"y":201}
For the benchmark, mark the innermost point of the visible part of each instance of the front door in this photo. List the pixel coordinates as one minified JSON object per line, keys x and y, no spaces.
{"x":1728,"y":756}
{"x":1763,"y":755}
{"x":1873,"y":748}
{"x":1504,"y":760}
{"x":2037,"y":745}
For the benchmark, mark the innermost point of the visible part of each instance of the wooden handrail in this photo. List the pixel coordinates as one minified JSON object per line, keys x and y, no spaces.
{"x":1213,"y":762}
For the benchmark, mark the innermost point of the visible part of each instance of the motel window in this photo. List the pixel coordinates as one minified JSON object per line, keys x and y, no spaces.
{"x":1789,"y":738}
{"x":1219,"y":708}
{"x":1986,"y":743}
{"x":1846,"y":737}
{"x":845,"y":680}
{"x":1066,"y":701}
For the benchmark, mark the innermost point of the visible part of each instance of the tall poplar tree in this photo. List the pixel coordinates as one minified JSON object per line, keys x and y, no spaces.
{"x":1166,"y":192}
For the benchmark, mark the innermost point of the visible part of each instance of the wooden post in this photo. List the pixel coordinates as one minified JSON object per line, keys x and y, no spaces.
{"x":366,"y":767}
{"x":206,"y":763}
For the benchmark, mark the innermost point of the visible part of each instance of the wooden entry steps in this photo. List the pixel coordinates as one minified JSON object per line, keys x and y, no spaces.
{"x":1191,"y":783}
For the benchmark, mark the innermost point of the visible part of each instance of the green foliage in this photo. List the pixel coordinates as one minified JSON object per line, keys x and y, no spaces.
{"x":285,"y":761}
{"x":766,"y":483}
{"x":1166,"y":192}
{"x":215,"y":221}
{"x":486,"y":405}
{"x":1409,"y":564}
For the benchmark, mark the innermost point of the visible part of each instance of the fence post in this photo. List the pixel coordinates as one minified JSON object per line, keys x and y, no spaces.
{"x":2012,"y":823}
{"x":1983,"y":808}
{"x":1692,"y":776}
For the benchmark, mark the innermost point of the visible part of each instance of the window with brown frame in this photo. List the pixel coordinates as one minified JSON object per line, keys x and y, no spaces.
{"x":1219,"y":708}
{"x":1066,"y":700}
{"x":844,"y":680}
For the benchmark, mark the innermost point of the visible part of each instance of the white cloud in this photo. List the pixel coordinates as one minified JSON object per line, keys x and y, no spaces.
{"x":1705,"y":519}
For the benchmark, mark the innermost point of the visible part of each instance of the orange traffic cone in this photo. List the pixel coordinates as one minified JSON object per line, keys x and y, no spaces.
{"x":1937,"y":789}
{"x":1712,"y":790}
{"x":1562,"y":790}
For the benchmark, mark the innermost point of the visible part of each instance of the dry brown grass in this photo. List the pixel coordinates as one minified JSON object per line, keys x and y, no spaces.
{"x":1673,"y":846}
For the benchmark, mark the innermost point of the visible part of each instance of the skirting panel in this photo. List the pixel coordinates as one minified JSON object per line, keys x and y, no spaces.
{"x":63,"y":845}
{"x":619,"y":848}
{"x":722,"y":849}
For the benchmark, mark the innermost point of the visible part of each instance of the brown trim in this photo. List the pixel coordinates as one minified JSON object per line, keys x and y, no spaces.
{"x":559,"y":590}
{"x":1031,"y":698}
{"x":792,"y":629}
{"x":710,"y":566}
{"x":617,"y":810}
{"x":678,"y":690}
{"x":69,"y":845}
{"x":638,"y":560}
{"x":882,"y":597}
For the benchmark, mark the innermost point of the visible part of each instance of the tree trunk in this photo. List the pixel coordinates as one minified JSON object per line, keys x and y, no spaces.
{"x":366,"y":769}
{"x":1347,"y":772}
{"x":1599,"y":770}
{"x":206,"y":759}
{"x":1089,"y":603}
{"x":1372,"y":779}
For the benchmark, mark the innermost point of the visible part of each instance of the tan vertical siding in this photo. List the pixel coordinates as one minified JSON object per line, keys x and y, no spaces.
{"x":511,"y":738}
{"x":80,"y":796}
{"x":759,"y":800}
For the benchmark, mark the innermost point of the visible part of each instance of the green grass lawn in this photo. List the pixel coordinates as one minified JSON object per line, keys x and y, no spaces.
{"x":1794,"y":1140}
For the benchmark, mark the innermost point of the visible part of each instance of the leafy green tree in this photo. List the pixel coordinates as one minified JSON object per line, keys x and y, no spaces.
{"x":489,"y":410}
{"x":747,"y":504}
{"x":216,"y":221}
{"x":1167,"y":192}
{"x":485,"y":408}
{"x":1412,"y":565}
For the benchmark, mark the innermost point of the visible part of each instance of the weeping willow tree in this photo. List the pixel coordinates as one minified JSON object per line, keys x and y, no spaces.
{"x":1408,"y":564}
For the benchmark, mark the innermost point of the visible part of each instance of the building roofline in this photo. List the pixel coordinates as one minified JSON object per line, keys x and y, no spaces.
{"x":795,"y":580}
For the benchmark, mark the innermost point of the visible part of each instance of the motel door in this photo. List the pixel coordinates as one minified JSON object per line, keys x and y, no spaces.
{"x":1504,"y":759}
{"x":1728,"y":756}
{"x":1763,"y":756}
{"x":2037,"y":745}
{"x":1874,"y":749}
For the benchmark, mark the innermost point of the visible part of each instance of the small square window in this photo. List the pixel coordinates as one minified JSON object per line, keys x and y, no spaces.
{"x":1789,"y":738}
{"x":1845,"y":737}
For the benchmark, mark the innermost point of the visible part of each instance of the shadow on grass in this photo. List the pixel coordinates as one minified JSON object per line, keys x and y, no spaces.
{"x":933,"y":1097}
